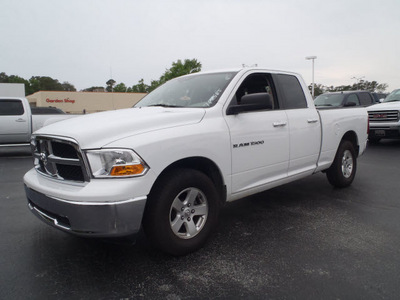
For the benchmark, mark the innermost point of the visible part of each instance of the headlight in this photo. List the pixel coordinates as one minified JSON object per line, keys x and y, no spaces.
{"x":115,"y":163}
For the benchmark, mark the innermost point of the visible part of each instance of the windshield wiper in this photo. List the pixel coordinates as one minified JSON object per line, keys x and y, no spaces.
{"x":164,"y":105}
{"x":392,"y":100}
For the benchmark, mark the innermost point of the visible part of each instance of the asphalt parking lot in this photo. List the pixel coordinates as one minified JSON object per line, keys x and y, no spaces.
{"x":304,"y":240}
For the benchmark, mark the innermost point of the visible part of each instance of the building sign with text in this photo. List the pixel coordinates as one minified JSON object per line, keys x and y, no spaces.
{"x":66,"y":100}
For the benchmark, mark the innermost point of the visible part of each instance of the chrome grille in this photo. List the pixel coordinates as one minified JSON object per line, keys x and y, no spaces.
{"x":383,"y":116}
{"x":59,"y":159}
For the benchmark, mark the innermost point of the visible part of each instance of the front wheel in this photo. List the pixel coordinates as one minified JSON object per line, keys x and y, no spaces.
{"x":181,"y":212}
{"x":343,"y":169}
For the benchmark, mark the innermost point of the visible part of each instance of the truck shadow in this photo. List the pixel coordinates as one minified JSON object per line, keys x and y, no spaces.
{"x":267,"y":218}
{"x":15,"y":151}
{"x":258,"y":237}
{"x":385,"y":144}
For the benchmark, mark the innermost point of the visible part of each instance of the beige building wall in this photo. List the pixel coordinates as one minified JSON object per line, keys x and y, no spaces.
{"x":90,"y":102}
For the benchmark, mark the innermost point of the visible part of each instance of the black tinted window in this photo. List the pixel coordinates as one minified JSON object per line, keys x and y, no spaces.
{"x":46,"y":111}
{"x":292,"y":92}
{"x":354,"y":99}
{"x":11,"y":108}
{"x":365,"y":99}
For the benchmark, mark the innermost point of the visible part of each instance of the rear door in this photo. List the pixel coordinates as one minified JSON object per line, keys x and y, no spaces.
{"x":14,"y":122}
{"x":303,"y":124}
{"x":366,"y":99}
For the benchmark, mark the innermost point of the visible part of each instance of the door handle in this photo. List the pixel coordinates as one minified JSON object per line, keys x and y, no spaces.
{"x":312,"y":120}
{"x":279,"y":124}
{"x":20,"y":120}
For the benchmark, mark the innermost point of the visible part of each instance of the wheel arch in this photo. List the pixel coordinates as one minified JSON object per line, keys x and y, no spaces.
{"x":352,"y":137}
{"x":202,"y":164}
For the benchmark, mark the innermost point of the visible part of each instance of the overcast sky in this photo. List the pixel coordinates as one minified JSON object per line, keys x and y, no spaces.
{"x":85,"y":42}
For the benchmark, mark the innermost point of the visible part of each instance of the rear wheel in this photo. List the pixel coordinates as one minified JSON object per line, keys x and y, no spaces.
{"x":343,"y":169}
{"x":181,"y":212}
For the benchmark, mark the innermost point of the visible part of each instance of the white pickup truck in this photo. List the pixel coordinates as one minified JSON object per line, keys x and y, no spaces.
{"x":174,"y":159}
{"x":17,"y":121}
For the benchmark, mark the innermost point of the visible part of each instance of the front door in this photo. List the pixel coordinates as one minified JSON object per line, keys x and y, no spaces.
{"x":260,"y":139}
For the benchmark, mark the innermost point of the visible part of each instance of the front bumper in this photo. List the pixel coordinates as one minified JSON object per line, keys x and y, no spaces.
{"x":94,"y":219}
{"x":383,"y":131}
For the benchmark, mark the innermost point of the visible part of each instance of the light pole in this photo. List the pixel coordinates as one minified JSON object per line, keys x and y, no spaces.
{"x":312,"y":58}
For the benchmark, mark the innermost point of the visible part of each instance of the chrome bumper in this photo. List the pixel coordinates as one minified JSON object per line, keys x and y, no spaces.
{"x":98,"y":219}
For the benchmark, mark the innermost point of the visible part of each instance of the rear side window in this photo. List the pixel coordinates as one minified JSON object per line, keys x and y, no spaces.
{"x":365,"y":99}
{"x":292,"y":92}
{"x":353,"y":98}
{"x":11,"y":108}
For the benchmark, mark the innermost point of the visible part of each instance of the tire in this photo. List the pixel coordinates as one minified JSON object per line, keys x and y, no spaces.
{"x":343,"y":169}
{"x":181,"y":211}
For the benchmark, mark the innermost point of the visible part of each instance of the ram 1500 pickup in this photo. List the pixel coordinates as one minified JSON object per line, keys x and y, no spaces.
{"x":17,"y":122}
{"x":198,"y":141}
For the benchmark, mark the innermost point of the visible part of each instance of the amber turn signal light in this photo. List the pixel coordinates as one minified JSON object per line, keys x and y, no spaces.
{"x":127,"y":170}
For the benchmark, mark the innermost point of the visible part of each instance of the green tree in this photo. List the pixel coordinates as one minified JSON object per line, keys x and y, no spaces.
{"x":364,"y":85}
{"x":371,"y":86}
{"x":318,"y":89}
{"x":94,"y":89}
{"x":68,"y":87}
{"x":15,"y":79}
{"x":44,"y":83}
{"x":3,"y":77}
{"x":141,"y":87}
{"x":340,"y":88}
{"x":120,"y":88}
{"x":110,"y":84}
{"x":37,"y":83}
{"x":178,"y":68}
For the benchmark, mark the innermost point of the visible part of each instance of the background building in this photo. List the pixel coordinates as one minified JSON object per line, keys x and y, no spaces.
{"x":84,"y":102}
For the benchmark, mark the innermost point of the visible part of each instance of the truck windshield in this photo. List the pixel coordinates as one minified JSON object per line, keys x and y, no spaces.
{"x":393,"y":96}
{"x":202,"y":90}
{"x":329,"y":100}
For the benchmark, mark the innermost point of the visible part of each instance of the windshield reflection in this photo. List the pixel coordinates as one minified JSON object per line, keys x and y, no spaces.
{"x":202,"y":90}
{"x":393,"y":96}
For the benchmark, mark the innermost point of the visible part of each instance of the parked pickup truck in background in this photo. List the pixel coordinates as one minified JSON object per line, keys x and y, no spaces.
{"x":170,"y":162}
{"x":384,"y":118}
{"x":344,"y":99}
{"x":17,"y":122}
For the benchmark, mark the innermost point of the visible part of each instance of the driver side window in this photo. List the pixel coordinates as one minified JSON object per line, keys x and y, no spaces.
{"x":256,"y":83}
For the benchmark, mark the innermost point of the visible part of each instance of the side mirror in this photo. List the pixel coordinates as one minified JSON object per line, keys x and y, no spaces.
{"x":251,"y":102}
{"x":381,"y":100}
{"x":350,"y":103}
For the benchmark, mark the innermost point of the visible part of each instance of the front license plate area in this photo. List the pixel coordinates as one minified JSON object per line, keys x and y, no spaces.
{"x":380,"y":132}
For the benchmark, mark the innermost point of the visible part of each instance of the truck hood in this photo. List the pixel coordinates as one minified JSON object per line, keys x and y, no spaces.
{"x":395,"y":105}
{"x":99,"y":129}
